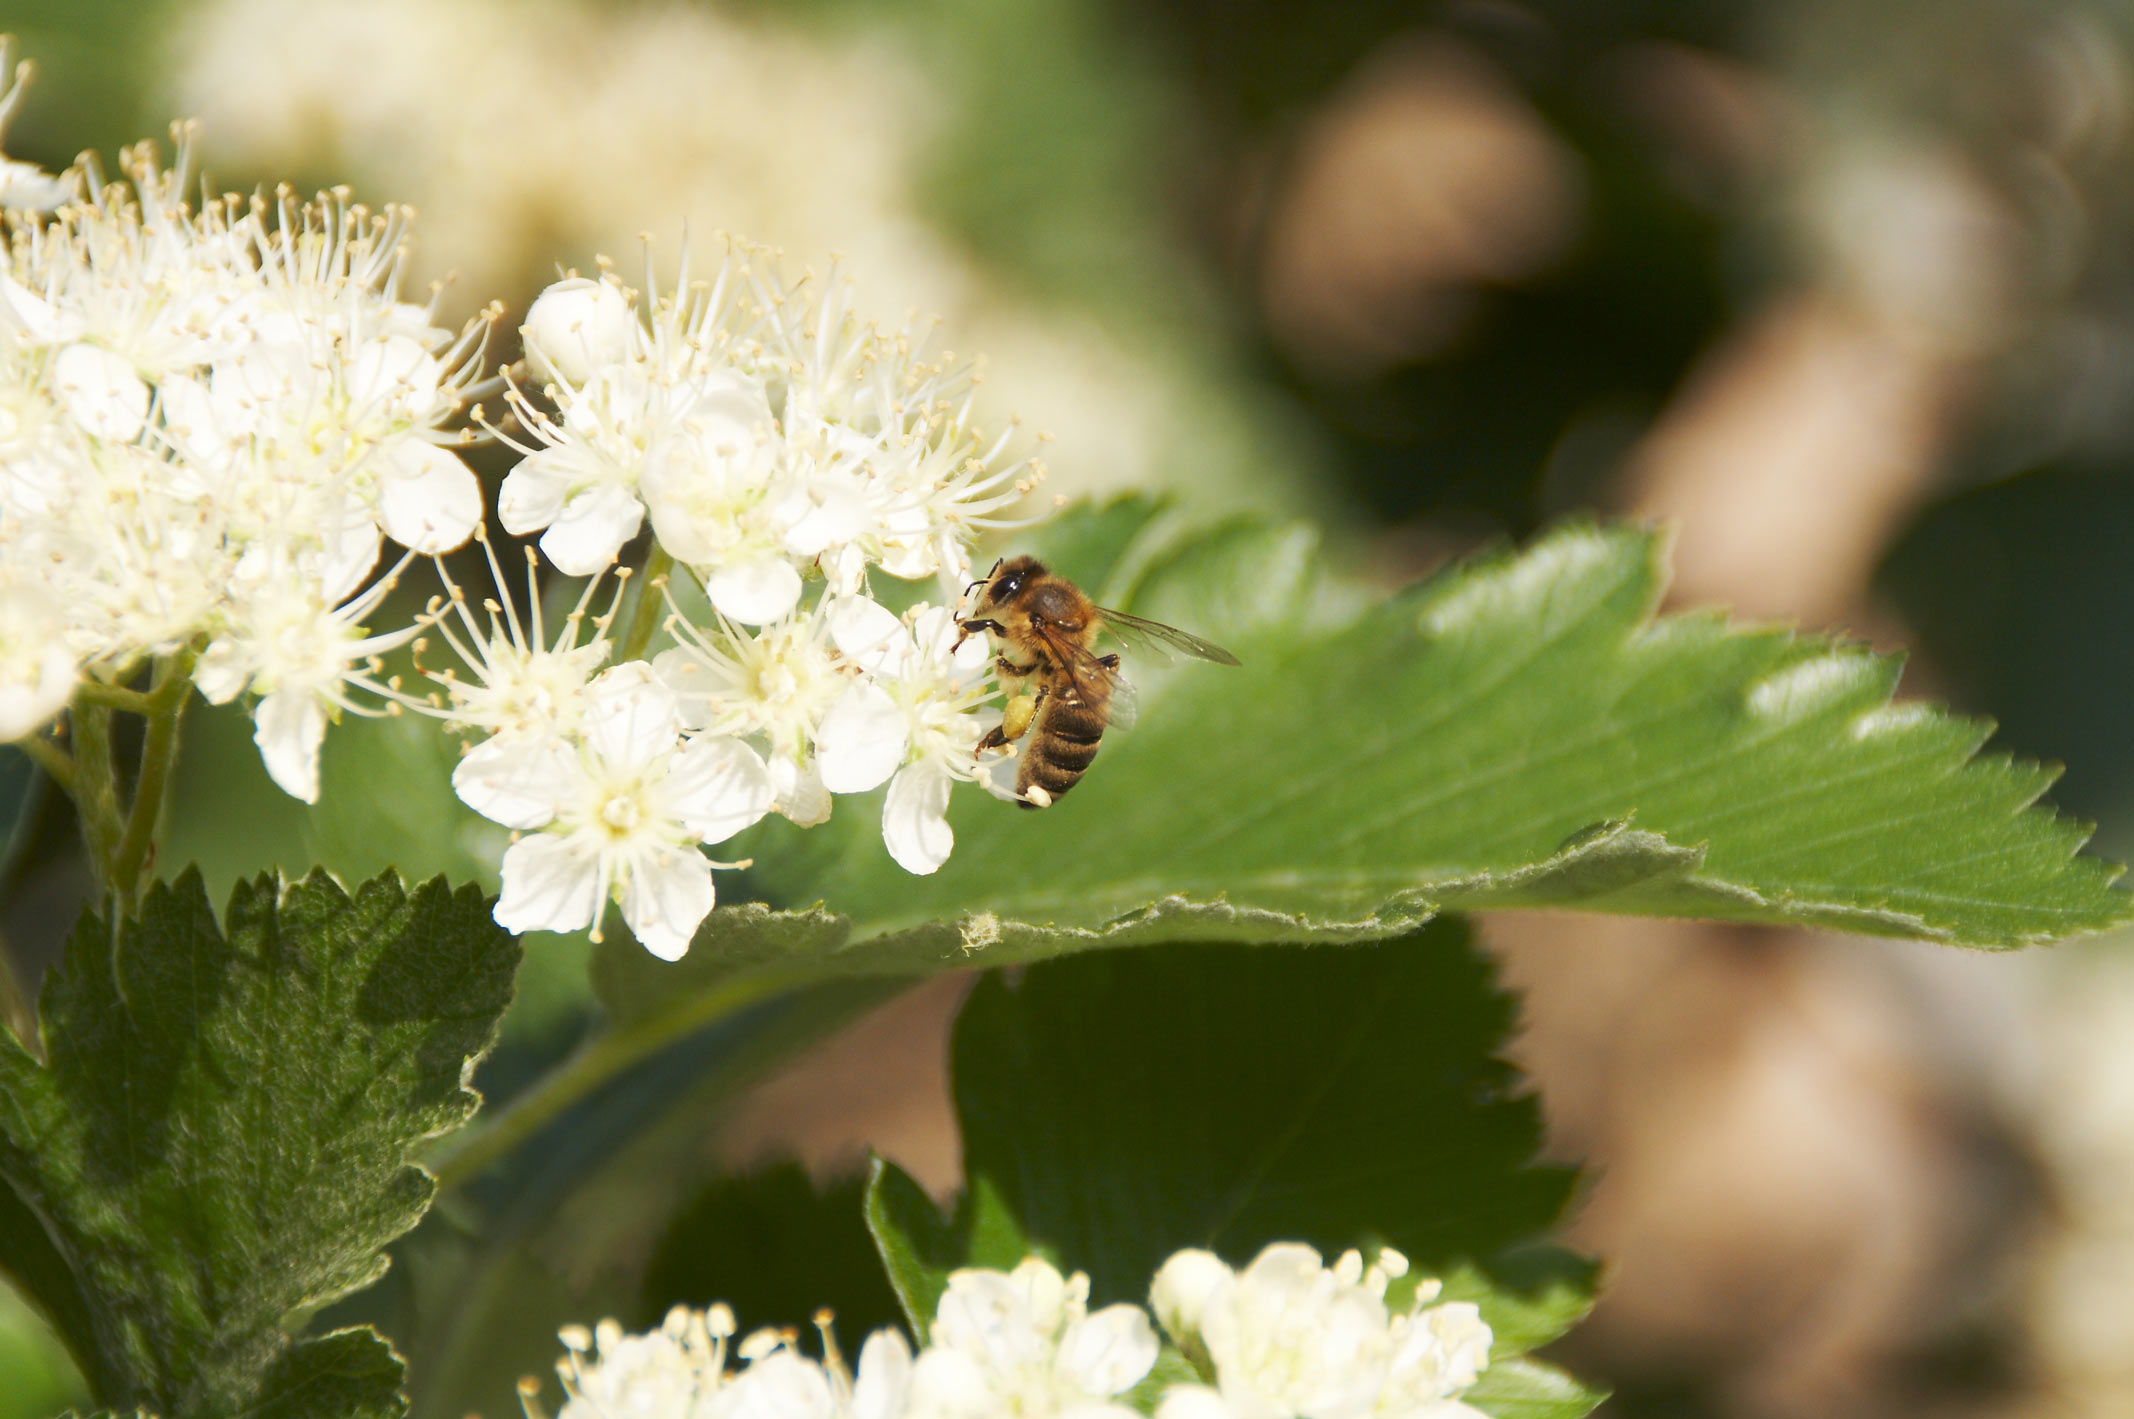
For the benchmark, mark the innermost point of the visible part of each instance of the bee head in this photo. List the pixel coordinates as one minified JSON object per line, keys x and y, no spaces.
{"x":1009,"y":578}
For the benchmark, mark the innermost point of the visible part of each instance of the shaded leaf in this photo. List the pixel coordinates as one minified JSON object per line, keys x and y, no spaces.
{"x":1118,"y":1107}
{"x":776,"y":1248}
{"x":220,"y":1142}
{"x":1133,"y":1103}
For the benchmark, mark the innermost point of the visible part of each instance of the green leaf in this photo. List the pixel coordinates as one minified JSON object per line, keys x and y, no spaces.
{"x":1518,"y":732}
{"x":919,"y":1246}
{"x":1116,"y":1108}
{"x":351,"y":1374}
{"x":219,"y":1144}
{"x":1530,"y":1296}
{"x":776,"y":1248}
{"x":1520,"y":1388}
{"x":1120,"y":1106}
{"x":1132,"y":1103}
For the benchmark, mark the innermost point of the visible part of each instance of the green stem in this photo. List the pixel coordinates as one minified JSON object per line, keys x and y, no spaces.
{"x":96,"y":786}
{"x":600,"y":1060}
{"x":165,"y":703}
{"x":56,"y":763}
{"x":15,"y":1011}
{"x":644,"y":613}
{"x":116,"y":697}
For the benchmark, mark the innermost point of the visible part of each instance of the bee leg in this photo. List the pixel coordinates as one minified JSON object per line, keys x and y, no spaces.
{"x":965,"y":628}
{"x":1005,"y":666}
{"x":1015,"y":721}
{"x":1109,"y":662}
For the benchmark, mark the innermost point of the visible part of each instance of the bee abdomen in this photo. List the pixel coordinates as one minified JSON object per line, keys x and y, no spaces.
{"x":1061,"y":748}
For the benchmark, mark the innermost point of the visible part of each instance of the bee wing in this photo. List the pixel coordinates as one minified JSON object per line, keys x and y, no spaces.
{"x":1135,"y":630}
{"x":1083,"y":668}
{"x":1125,"y":703}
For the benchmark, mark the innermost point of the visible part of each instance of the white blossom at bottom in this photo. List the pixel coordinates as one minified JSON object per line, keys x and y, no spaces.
{"x":1025,"y":1343}
{"x":1290,"y":1338}
{"x":1285,"y":1338}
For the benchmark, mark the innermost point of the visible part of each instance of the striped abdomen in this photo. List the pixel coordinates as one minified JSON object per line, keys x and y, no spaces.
{"x":1062,"y":743}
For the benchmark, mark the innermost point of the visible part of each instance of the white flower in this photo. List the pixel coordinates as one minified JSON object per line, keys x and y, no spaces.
{"x":580,"y":491}
{"x":1438,"y":1354}
{"x":675,"y":1372}
{"x":207,"y":420}
{"x":1288,"y":1338}
{"x":775,"y":684}
{"x":781,"y":1383}
{"x":620,"y":811}
{"x":762,"y":426}
{"x":1024,"y":1343}
{"x":915,"y":721}
{"x":288,"y":644}
{"x":524,"y":684}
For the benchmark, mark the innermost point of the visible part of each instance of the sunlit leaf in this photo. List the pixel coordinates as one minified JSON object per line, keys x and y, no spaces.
{"x":1520,"y":731}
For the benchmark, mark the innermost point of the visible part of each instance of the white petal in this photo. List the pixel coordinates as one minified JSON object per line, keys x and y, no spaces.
{"x":288,"y":726}
{"x":1182,"y":1287}
{"x":396,"y":372}
{"x":915,"y":818}
{"x":631,"y":717}
{"x":861,"y":739}
{"x":846,"y":570}
{"x":101,"y":391}
{"x":591,"y":529}
{"x":223,"y":671}
{"x":42,"y":321}
{"x":548,"y":886}
{"x":1192,"y":1402}
{"x":576,"y":325}
{"x":25,"y":707}
{"x":755,"y":593}
{"x":517,"y":781}
{"x":532,"y":495}
{"x":428,"y":500}
{"x":948,"y":1383}
{"x":1109,"y":1352}
{"x":718,"y":786}
{"x":869,"y":634}
{"x":348,"y":545}
{"x":798,"y":793}
{"x":28,"y":187}
{"x":986,"y":1316}
{"x":189,"y":421}
{"x":822,"y":514}
{"x":667,"y":897}
{"x":780,"y":1385}
{"x":884,"y":1377}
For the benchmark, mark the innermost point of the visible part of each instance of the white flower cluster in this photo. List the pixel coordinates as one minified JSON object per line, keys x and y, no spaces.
{"x":765,"y":430}
{"x":1285,"y":1338}
{"x":209,"y":422}
{"x":775,"y":444}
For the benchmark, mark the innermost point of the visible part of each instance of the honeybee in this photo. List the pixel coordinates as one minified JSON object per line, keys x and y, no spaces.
{"x":1061,"y":693}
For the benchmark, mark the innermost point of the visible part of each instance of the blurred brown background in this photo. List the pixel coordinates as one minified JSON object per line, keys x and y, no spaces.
{"x":1842,"y":291}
